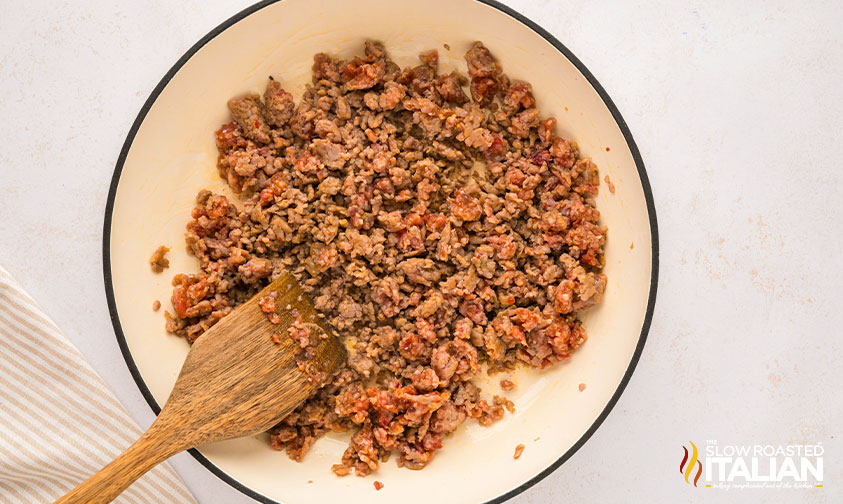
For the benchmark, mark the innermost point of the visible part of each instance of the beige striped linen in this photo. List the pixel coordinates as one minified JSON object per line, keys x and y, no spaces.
{"x":59,"y":423}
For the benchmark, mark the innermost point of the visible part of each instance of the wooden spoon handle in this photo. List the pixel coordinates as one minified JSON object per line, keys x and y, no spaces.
{"x":104,"y":486}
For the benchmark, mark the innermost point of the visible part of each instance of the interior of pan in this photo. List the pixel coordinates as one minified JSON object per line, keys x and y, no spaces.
{"x":172,"y":155}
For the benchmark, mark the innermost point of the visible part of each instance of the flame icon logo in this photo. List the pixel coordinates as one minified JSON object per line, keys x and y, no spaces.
{"x":689,"y":468}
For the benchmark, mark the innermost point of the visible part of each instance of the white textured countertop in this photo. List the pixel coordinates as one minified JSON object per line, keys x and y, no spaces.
{"x":737,"y":108}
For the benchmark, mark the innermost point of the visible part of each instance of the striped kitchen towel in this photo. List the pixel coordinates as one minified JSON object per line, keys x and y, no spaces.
{"x":59,"y":423}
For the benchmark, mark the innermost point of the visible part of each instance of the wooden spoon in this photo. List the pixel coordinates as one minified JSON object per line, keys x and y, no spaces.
{"x":237,"y":380}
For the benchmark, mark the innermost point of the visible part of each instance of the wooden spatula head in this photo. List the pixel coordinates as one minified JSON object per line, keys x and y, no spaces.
{"x":242,"y":376}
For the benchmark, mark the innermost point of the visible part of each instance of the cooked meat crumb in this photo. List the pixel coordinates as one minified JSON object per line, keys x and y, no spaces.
{"x":610,"y":184}
{"x":267,"y":305}
{"x":339,"y":469}
{"x":518,"y":451}
{"x":156,"y":305}
{"x":435,"y":227}
{"x":582,"y":387}
{"x":378,"y":485}
{"x":507,"y":385}
{"x":158,"y":262}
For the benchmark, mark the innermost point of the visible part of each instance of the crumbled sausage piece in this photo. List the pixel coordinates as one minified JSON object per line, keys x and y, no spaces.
{"x":156,"y":305}
{"x":421,"y":271}
{"x":341,"y":470}
{"x":483,"y":70}
{"x":466,"y":207}
{"x":159,"y":262}
{"x":483,"y":89}
{"x":450,"y":89}
{"x":392,"y":95}
{"x":519,"y":95}
{"x":480,"y":61}
{"x":362,"y":75}
{"x":267,"y":305}
{"x":256,"y":268}
{"x":246,"y":112}
{"x":563,"y":152}
{"x":524,"y":122}
{"x":280,"y":106}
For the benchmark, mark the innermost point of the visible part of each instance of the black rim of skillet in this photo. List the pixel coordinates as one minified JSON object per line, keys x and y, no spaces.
{"x":636,"y":155}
